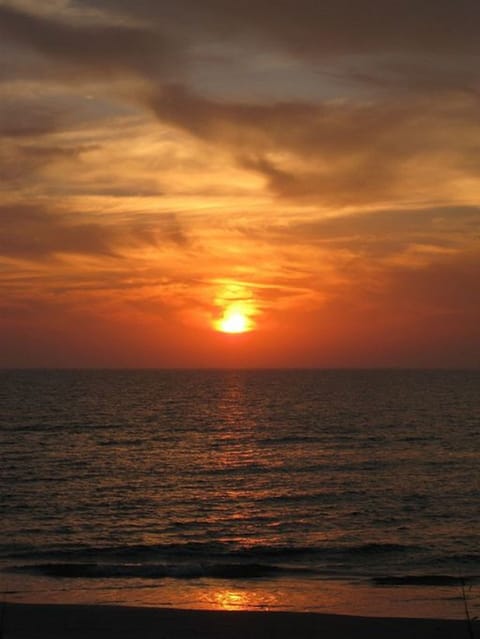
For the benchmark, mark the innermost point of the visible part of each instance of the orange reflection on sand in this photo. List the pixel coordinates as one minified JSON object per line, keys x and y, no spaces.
{"x":238,"y":600}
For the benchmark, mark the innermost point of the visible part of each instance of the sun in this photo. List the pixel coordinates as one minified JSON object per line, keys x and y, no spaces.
{"x":235,"y":308}
{"x":234,"y":321}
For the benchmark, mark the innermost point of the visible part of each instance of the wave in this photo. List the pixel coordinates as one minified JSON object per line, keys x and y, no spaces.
{"x":425,"y":580}
{"x":213,"y":570}
{"x":229,"y":561}
{"x":201,"y":550}
{"x":154,"y":571}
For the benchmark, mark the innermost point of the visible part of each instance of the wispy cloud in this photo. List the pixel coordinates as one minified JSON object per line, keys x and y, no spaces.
{"x":34,"y":233}
{"x":94,"y":50}
{"x":338,"y":153}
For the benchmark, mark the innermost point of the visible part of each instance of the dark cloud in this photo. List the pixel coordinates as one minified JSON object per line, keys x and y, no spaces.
{"x":365,"y":179}
{"x":329,"y":27}
{"x":27,"y":118}
{"x":342,"y":152}
{"x":377,"y":43}
{"x":347,"y":152}
{"x":36,"y":113}
{"x":93,"y":49}
{"x":34,"y":233}
{"x":298,"y":126}
{"x":21,"y":162}
{"x":331,"y":127}
{"x":407,"y":72}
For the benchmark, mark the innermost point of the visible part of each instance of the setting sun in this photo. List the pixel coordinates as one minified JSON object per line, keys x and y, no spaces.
{"x":236,"y":307}
{"x":234,"y":322}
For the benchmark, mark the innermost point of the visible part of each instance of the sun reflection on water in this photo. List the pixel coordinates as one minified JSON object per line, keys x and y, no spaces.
{"x":230,"y":599}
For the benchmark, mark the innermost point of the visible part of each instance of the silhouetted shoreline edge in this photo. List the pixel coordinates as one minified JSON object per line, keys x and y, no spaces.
{"x":72,"y":621}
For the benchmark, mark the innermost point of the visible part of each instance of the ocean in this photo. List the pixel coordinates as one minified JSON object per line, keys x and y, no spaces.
{"x":308,"y":490}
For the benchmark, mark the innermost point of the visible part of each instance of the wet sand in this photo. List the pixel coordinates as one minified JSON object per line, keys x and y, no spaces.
{"x":53,"y":621}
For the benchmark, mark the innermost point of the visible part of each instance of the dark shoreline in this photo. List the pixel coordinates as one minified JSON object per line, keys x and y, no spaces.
{"x":67,"y":621}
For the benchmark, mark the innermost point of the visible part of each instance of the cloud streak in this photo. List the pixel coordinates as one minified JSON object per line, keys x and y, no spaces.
{"x":34,"y":233}
{"x":339,"y":153}
{"x":332,"y":27}
{"x":95,"y":50}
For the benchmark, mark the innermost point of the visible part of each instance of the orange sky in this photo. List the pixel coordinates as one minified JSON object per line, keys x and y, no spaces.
{"x":314,"y":165}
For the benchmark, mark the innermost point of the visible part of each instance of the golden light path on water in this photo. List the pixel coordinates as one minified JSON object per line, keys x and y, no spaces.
{"x":238,"y":599}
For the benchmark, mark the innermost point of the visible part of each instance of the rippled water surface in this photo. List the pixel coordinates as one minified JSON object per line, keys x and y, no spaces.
{"x":299,"y":490}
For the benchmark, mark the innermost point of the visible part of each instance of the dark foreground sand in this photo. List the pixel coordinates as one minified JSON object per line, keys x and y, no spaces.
{"x":23,"y":621}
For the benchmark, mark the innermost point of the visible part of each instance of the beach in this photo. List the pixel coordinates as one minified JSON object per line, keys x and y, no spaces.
{"x":53,"y":621}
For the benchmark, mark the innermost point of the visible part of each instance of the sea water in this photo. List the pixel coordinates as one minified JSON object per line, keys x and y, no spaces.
{"x":337,"y":491}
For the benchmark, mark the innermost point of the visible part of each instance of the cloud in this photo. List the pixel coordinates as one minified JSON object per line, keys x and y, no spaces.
{"x":331,"y":27}
{"x":383,"y":232}
{"x":441,"y":73}
{"x":94,"y":50}
{"x":373,"y":43}
{"x":21,"y":118}
{"x":23,"y":163}
{"x":34,"y":233}
{"x":334,"y":152}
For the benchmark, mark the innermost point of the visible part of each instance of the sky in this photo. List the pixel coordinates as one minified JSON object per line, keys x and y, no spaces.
{"x":311,"y":168}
